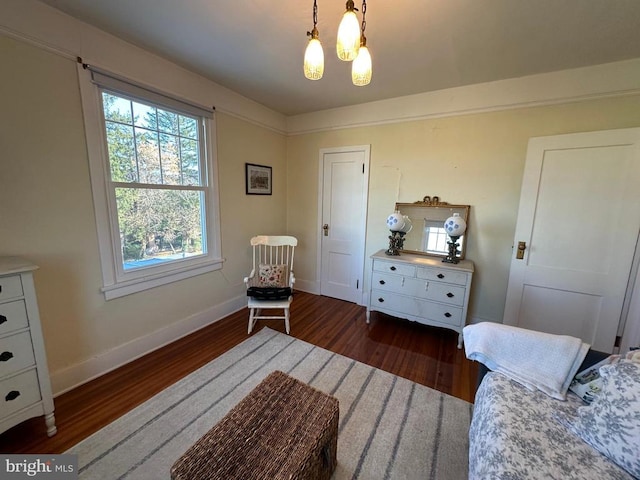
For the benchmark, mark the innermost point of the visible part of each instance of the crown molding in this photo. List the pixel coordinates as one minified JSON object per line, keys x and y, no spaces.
{"x":566,"y":86}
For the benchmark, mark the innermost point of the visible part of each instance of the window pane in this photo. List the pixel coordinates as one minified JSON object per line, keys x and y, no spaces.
{"x":159,"y":226}
{"x":116,"y":108}
{"x":167,"y":121}
{"x":122,"y":155}
{"x":144,"y":116}
{"x":188,"y":127}
{"x":170,"y":158}
{"x":148,"y":156}
{"x":190,"y":164}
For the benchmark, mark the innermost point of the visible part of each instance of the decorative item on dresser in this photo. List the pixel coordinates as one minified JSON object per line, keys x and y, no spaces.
{"x":25,"y":387}
{"x":455,"y":227}
{"x":399,"y":225}
{"x":429,"y":234}
{"x":421,"y":289}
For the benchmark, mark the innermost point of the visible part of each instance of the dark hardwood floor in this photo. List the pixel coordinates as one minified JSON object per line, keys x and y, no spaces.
{"x":426,"y":355}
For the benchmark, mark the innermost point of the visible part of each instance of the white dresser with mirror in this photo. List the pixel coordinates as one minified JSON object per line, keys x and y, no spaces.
{"x":410,"y":280}
{"x":422,"y":289}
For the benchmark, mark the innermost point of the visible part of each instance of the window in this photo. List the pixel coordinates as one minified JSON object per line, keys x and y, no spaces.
{"x":155,"y":167}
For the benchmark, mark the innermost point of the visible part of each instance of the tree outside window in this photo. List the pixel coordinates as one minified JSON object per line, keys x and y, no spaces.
{"x":158,"y":180}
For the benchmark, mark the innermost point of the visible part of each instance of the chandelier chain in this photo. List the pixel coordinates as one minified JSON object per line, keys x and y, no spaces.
{"x":315,"y":13}
{"x":364,"y":11}
{"x":314,"y":33}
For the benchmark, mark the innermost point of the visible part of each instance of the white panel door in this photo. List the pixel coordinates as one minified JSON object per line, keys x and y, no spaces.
{"x":344,"y":186}
{"x":579,"y":216}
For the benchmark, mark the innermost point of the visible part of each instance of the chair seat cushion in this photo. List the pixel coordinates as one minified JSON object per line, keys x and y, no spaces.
{"x":269,"y":293}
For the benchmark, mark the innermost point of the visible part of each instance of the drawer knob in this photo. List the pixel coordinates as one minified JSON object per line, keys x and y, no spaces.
{"x":12,"y":395}
{"x":382,"y":282}
{"x":6,"y":356}
{"x":393,"y":269}
{"x":440,"y":275}
{"x":381,"y":300}
{"x":2,"y":319}
{"x":447,"y":314}
{"x":450,"y":295}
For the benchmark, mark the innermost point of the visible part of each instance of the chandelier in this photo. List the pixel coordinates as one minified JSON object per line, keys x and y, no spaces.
{"x":351,"y":46}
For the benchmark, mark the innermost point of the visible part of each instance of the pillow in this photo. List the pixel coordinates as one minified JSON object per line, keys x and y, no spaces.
{"x":611,"y":424}
{"x":272,"y":275}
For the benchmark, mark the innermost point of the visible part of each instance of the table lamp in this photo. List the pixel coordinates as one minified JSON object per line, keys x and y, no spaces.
{"x":399,"y":225}
{"x":455,"y":227}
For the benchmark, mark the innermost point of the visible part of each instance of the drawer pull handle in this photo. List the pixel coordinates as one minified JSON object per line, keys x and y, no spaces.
{"x":393,"y":269}
{"x":381,"y":300}
{"x":6,"y":356}
{"x":440,"y":276}
{"x":450,"y":295}
{"x":382,"y":282}
{"x":447,"y":314}
{"x":2,"y":319}
{"x":12,"y":395}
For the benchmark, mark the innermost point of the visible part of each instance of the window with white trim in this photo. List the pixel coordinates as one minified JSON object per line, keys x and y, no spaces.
{"x":154,"y":184}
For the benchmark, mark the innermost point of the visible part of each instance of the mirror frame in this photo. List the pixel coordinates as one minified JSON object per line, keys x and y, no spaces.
{"x":445,"y":210}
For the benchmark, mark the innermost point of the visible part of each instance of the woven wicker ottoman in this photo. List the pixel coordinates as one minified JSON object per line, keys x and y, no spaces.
{"x":284,"y":429}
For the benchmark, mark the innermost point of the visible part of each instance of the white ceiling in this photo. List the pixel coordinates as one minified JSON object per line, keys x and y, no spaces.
{"x":256,"y":47}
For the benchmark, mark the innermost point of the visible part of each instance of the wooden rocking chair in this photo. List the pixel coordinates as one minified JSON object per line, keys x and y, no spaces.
{"x":270,"y":283}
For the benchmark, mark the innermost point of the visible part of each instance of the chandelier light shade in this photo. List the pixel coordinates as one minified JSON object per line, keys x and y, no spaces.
{"x":361,"y":66}
{"x":350,"y":46}
{"x":348,"y":42}
{"x":314,"y":55}
{"x":314,"y":58}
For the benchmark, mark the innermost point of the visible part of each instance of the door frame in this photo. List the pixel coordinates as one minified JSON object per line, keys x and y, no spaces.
{"x":362,"y":226}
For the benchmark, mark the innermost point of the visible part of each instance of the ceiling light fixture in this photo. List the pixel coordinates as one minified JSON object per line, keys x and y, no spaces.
{"x":361,"y":66}
{"x":351,"y":45}
{"x":314,"y":55}
{"x":348,"y":42}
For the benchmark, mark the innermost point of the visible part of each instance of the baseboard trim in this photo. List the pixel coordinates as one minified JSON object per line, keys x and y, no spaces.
{"x":71,"y":377}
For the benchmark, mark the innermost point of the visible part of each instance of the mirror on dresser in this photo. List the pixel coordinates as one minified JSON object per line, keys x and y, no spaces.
{"x":428,"y":236}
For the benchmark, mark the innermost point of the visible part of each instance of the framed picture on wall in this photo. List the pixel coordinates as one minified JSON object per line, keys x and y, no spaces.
{"x":257,"y":179}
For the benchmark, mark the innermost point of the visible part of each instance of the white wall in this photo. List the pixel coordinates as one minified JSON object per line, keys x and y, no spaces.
{"x":47,"y":209}
{"x":475,"y":159}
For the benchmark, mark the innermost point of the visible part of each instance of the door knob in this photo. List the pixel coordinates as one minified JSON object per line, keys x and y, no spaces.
{"x":522,"y":246}
{"x":325,"y":227}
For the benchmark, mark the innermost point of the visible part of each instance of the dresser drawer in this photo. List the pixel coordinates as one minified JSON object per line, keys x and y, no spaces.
{"x":431,"y":311}
{"x":18,"y":392}
{"x":429,"y":290}
{"x":10,"y":287}
{"x":442,"y":275}
{"x":397,"y":268}
{"x":16,"y":353}
{"x":445,"y":293}
{"x":13,"y":316}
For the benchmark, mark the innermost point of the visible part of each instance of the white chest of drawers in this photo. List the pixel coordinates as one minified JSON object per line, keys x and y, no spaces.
{"x":25,"y":388}
{"x":422,"y":289}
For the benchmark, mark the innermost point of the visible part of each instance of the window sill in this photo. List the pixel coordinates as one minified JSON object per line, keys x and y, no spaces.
{"x":122,"y":289}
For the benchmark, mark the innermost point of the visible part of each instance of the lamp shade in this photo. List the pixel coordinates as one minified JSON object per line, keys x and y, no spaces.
{"x":395,"y":222}
{"x":408,"y":225}
{"x":361,"y":67}
{"x":348,"y":41}
{"x":314,"y":60}
{"x":455,"y":225}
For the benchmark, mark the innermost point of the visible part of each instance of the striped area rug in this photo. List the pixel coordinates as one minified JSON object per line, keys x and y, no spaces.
{"x":390,"y":428}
